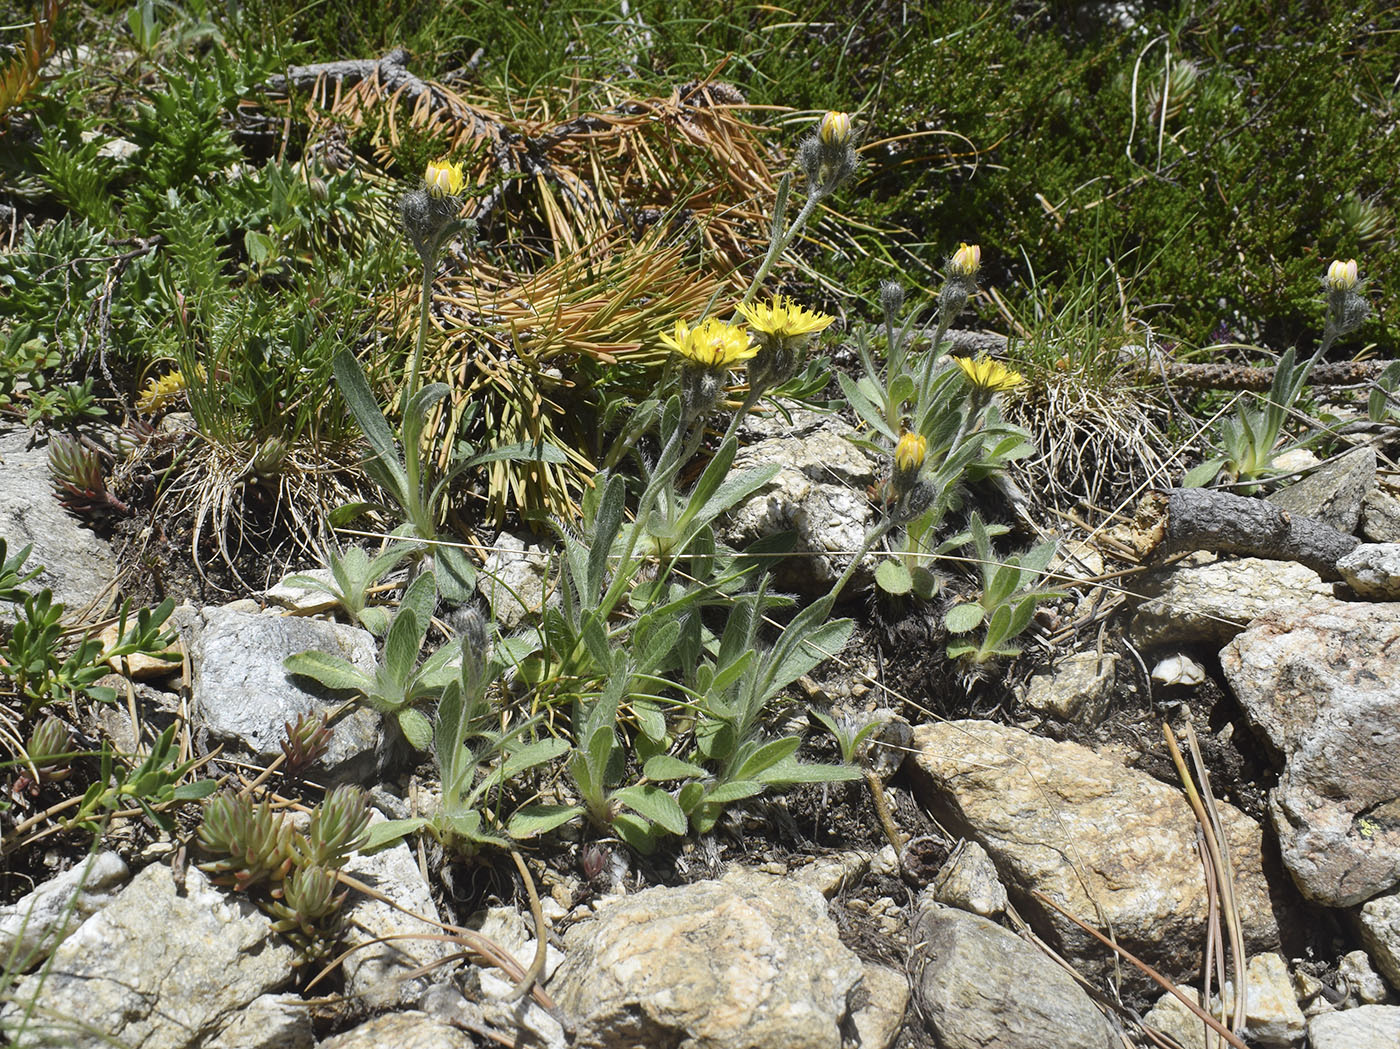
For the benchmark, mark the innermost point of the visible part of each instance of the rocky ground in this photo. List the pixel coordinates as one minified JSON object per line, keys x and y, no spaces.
{"x":1043,"y":798}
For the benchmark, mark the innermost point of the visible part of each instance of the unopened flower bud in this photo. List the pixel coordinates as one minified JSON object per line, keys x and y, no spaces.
{"x":443,"y":179}
{"x":909,"y":453}
{"x":836,"y":128}
{"x":967,"y":261}
{"x":1341,"y":276}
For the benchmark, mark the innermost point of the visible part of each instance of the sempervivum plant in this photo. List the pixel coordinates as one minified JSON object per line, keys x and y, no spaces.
{"x":252,"y":842}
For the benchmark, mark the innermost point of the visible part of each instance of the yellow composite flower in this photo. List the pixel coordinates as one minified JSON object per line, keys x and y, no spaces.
{"x":161,"y":391}
{"x":783,"y":319}
{"x":966,"y":261}
{"x":444,"y":179}
{"x":836,"y":128}
{"x":987,"y":374}
{"x":712,"y":343}
{"x":1341,"y":276}
{"x":909,"y":453}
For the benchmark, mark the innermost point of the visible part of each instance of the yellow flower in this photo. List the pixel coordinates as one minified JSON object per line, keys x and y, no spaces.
{"x":909,"y":453}
{"x":966,"y":261}
{"x":987,"y":374}
{"x":836,"y":128}
{"x":444,"y":179}
{"x":784,"y":319}
{"x":1341,"y":276}
{"x":712,"y":343}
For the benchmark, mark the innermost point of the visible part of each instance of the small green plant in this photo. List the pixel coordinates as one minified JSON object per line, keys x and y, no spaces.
{"x":79,"y":478}
{"x":1007,"y":602}
{"x":39,"y":673}
{"x":399,"y":681}
{"x":293,"y":876}
{"x":1249,"y":442}
{"x":849,"y":731}
{"x":305,"y":742}
{"x":353,"y":574}
{"x":153,"y":786}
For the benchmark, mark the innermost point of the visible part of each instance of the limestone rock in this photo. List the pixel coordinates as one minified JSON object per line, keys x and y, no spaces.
{"x":274,"y":1021}
{"x":1380,"y":931}
{"x":406,"y":1030}
{"x":969,"y":882}
{"x":881,"y":1001}
{"x":244,"y":696}
{"x":513,"y":579}
{"x":374,"y":975}
{"x":1373,"y":571}
{"x":77,"y":566}
{"x":1323,"y":686}
{"x":1362,"y":984}
{"x":1373,"y":1026}
{"x":818,"y":494}
{"x":157,"y":968}
{"x":1076,"y":689}
{"x":749,"y":960}
{"x":978,"y":985}
{"x":1272,"y":1016}
{"x":1380,"y":514}
{"x":299,"y":597}
{"x":1332,"y":493}
{"x":1171,"y":1016}
{"x":1110,"y":844}
{"x":31,"y":927}
{"x":1214,"y":602}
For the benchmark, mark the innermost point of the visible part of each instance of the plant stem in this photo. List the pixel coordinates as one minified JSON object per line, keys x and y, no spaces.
{"x":424,"y":306}
{"x":780,"y":244}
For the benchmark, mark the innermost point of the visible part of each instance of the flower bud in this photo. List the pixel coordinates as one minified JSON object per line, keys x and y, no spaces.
{"x":967,"y":261}
{"x":443,"y":179}
{"x":909,"y":453}
{"x":836,"y":129}
{"x":1341,"y":276}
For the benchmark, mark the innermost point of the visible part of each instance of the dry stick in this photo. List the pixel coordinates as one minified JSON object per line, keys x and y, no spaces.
{"x":532,"y":974}
{"x":1231,"y":909}
{"x":1202,"y":519}
{"x":1224,"y":876}
{"x":1151,"y":973}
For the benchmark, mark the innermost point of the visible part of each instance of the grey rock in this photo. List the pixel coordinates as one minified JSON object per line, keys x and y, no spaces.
{"x":1333,"y":493}
{"x":298,"y":597}
{"x":1076,"y":689}
{"x":1380,"y":514}
{"x":376,"y":974}
{"x":1380,"y":932}
{"x":77,"y":566}
{"x":978,"y":985}
{"x":882,"y":999}
{"x":244,"y":696}
{"x":1112,"y":845}
{"x":156,"y":968}
{"x":1373,"y":571}
{"x":274,"y":1021}
{"x":1371,"y":1026}
{"x":1271,"y":1013}
{"x":405,"y":1030}
{"x":513,"y":579}
{"x":1363,"y":985}
{"x":1171,"y":1016}
{"x":818,"y":494}
{"x":1214,"y":602}
{"x":509,"y":929}
{"x":1323,"y":687}
{"x":32,"y":927}
{"x":749,"y":960}
{"x":968,"y":880}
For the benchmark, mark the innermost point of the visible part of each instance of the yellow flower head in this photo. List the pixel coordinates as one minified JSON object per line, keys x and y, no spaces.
{"x":1341,"y":276}
{"x":989,"y":375}
{"x":909,"y":453}
{"x":836,"y":128}
{"x":444,"y":179}
{"x":784,"y":320}
{"x":712,"y":343}
{"x":966,"y":261}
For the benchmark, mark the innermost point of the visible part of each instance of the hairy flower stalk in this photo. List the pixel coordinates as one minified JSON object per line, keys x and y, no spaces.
{"x":826,"y":160}
{"x":960,"y":283}
{"x":428,"y":214}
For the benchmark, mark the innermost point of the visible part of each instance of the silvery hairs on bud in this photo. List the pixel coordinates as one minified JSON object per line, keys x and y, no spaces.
{"x":424,"y":218}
